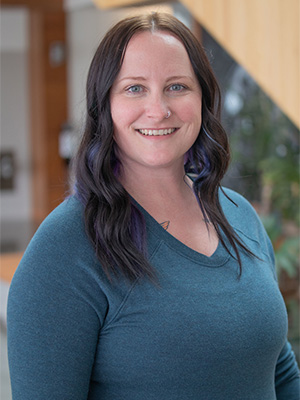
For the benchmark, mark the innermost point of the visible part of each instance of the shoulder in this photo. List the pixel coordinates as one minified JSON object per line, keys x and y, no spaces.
{"x":229,"y":196}
{"x":67,"y":217}
{"x":64,"y":226}
{"x":245,"y":221}
{"x":60,"y":262}
{"x":60,"y":246}
{"x":237,"y":209}
{"x":62,"y":234}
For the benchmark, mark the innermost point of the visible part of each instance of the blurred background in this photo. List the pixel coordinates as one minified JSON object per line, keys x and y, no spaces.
{"x":46,"y":48}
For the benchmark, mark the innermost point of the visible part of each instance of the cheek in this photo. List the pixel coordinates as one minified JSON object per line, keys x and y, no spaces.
{"x":191,"y":111}
{"x":123,"y":114}
{"x":117,"y":113}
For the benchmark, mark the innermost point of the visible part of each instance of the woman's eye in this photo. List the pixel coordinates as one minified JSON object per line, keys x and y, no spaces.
{"x":177,"y":87}
{"x":134,"y":89}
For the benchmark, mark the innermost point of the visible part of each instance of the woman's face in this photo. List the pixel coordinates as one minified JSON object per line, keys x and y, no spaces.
{"x":156,"y":78}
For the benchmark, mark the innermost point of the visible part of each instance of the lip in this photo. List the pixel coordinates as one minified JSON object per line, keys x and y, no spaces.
{"x":156,"y":132}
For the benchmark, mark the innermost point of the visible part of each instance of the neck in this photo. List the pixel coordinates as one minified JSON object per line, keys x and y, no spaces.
{"x":152,"y":186}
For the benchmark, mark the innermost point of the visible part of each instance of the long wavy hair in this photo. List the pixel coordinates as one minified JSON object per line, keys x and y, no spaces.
{"x":113,"y":222}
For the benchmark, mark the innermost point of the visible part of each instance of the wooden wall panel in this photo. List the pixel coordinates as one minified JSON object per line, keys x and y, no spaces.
{"x":48,"y":103}
{"x":48,"y":111}
{"x":262,"y":36}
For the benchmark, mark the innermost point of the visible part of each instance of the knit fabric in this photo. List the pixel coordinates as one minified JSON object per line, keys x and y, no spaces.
{"x":200,"y":333}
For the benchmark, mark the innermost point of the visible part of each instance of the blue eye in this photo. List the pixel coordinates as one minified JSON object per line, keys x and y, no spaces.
{"x":177,"y":87}
{"x":135,"y":89}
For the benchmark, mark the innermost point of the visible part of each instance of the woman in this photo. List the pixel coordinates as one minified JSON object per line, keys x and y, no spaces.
{"x":150,"y":282}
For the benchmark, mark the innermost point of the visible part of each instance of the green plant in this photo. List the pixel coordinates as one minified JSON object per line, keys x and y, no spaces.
{"x":286,"y":248}
{"x":265,"y":148}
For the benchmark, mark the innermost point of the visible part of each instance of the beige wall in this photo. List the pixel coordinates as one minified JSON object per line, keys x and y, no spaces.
{"x":85,"y":28}
{"x":14,"y":111}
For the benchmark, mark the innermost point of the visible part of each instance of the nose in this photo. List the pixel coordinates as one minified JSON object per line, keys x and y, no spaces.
{"x":157,"y":107}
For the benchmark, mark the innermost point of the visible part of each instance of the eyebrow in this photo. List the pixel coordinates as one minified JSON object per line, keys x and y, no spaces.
{"x":133,"y":78}
{"x":174,"y":78}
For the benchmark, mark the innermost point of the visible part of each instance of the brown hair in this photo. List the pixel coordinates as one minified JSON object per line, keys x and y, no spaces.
{"x":113,"y":222}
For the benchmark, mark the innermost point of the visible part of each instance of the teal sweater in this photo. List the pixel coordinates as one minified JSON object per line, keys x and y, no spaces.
{"x":201,"y":334}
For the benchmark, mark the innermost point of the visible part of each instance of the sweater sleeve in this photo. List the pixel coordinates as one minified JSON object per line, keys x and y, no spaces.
{"x":53,"y":322}
{"x":287,"y":379}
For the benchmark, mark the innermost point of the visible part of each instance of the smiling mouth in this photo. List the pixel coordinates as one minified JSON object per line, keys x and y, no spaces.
{"x":156,"y":132}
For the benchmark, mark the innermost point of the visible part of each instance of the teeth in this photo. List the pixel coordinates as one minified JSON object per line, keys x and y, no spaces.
{"x":156,"y":132}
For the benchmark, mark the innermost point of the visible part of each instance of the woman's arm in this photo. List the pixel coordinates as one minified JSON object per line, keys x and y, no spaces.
{"x":52,"y":337}
{"x":54,"y":315}
{"x":287,"y":379}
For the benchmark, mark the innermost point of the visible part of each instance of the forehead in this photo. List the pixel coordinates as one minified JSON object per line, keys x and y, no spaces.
{"x":154,"y":37}
{"x":157,"y":50}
